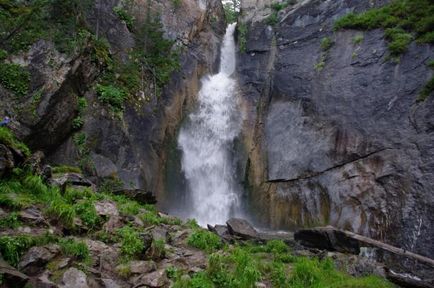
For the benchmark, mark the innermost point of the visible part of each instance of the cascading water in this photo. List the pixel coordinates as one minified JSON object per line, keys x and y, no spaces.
{"x":207,"y":142}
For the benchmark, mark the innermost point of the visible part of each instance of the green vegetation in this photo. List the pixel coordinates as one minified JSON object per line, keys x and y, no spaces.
{"x":124,"y":16}
{"x":112,"y":96}
{"x":15,"y":78}
{"x":326,"y":43}
{"x":242,"y":36}
{"x":205,"y":240}
{"x":403,"y":21}
{"x":7,"y":138}
{"x":11,"y":221}
{"x":66,"y":169}
{"x":158,"y":249}
{"x":76,"y":249}
{"x":13,"y":247}
{"x":232,"y":9}
{"x":358,"y":39}
{"x":321,"y":64}
{"x":243,"y":266}
{"x":131,"y":243}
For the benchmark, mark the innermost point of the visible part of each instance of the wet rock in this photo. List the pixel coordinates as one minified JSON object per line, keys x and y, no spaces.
{"x":74,"y":278}
{"x":155,"y":279}
{"x":142,"y":267}
{"x":139,"y":195}
{"x":408,"y":281}
{"x":241,"y":228}
{"x":11,"y":276}
{"x":6,"y":160}
{"x":35,"y":259}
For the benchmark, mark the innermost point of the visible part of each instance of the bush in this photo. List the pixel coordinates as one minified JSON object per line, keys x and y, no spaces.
{"x":15,"y":78}
{"x":131,"y":243}
{"x":112,"y":96}
{"x":124,"y":16}
{"x":205,"y":240}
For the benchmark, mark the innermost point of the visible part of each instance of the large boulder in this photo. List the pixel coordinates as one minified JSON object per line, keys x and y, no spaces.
{"x":241,"y":228}
{"x":154,"y":280}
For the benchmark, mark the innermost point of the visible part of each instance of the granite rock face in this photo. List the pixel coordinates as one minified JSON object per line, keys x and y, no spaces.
{"x":337,"y":136}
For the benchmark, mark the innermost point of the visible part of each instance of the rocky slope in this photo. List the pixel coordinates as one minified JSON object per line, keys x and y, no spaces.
{"x":336,"y":135}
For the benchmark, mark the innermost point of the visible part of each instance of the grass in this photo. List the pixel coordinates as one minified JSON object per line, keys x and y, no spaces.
{"x":205,"y":240}
{"x":402,"y":20}
{"x":9,"y":139}
{"x":157,"y":250}
{"x":77,"y":249}
{"x":66,"y":169}
{"x":11,"y":221}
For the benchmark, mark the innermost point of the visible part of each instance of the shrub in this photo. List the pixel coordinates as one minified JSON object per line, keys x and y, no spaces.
{"x":131,"y":243}
{"x":112,"y":96}
{"x":205,"y":240}
{"x":15,"y":78}
{"x":124,"y":16}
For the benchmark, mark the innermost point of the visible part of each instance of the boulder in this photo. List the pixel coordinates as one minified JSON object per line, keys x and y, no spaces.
{"x":73,"y":179}
{"x":34,"y":162}
{"x":35,"y":259}
{"x":222,"y":231}
{"x":241,"y":228}
{"x":154,"y":280}
{"x":31,"y":215}
{"x":11,"y":276}
{"x":142,"y":267}
{"x":42,"y":281}
{"x":74,"y":278}
{"x":160,"y":233}
{"x":109,"y":283}
{"x":106,"y":208}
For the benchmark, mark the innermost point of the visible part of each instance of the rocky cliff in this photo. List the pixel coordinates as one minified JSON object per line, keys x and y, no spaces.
{"x":128,"y":146}
{"x":335,"y":135}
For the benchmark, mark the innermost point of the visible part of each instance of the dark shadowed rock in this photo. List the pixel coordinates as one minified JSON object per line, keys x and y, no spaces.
{"x":139,"y":195}
{"x":34,"y":162}
{"x":6,"y":160}
{"x":11,"y":276}
{"x":31,"y":215}
{"x":241,"y":228}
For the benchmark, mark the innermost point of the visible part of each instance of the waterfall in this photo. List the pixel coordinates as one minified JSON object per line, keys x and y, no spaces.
{"x":207,"y":141}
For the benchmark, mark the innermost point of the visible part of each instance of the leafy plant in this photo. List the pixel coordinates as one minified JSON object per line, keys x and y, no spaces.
{"x":112,"y":96}
{"x":124,"y":16}
{"x":205,"y":240}
{"x":76,"y":249}
{"x":131,"y":243}
{"x":15,"y":78}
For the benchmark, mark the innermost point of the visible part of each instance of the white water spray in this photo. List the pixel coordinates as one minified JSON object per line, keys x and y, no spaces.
{"x":207,"y":142}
